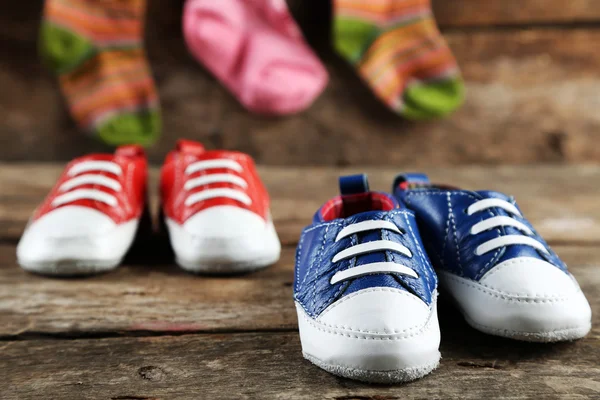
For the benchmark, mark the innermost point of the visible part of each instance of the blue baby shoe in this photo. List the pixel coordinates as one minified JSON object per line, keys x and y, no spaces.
{"x":365,"y":290}
{"x":502,"y":275}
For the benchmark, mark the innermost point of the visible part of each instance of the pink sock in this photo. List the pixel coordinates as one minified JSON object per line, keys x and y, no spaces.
{"x":255,"y":48}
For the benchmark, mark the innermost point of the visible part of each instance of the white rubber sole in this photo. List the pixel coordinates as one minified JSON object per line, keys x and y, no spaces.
{"x":389,"y":377}
{"x":224,"y":255}
{"x":559,"y":335}
{"x":219,"y":267}
{"x":371,"y":357}
{"x":526,"y":318}
{"x":70,"y":267}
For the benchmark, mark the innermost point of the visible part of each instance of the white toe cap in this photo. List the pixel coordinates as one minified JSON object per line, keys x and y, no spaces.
{"x":523,"y":298}
{"x":71,"y":222}
{"x":224,"y":236}
{"x":224,"y":222}
{"x":377,"y":310}
{"x":75,"y":233}
{"x":374,"y":331}
{"x":529,"y":277}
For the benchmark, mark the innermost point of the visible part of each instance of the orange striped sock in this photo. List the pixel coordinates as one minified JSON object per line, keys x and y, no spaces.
{"x":399,"y":51}
{"x":95,"y":48}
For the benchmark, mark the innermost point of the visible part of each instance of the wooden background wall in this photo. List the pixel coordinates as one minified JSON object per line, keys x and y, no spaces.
{"x":532,"y":69}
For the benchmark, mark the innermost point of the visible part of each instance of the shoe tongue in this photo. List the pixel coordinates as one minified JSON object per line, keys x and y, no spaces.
{"x":357,"y":198}
{"x":367,"y":216}
{"x":130,"y":151}
{"x":356,"y":201}
{"x":489,"y":194}
{"x":190,"y":147}
{"x":94,"y":157}
{"x":354,"y":184}
{"x":409,"y":181}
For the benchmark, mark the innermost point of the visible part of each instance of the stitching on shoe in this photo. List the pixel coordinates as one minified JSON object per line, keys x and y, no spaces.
{"x":319,"y":258}
{"x":497,"y":254}
{"x":447,"y":233}
{"x":395,"y":331}
{"x":443,"y":193}
{"x":342,"y":287}
{"x":509,"y":296}
{"x":398,"y":212}
{"x":504,"y":264}
{"x":377,"y":289}
{"x":516,"y":262}
{"x":312,"y":228}
{"x":298,"y":257}
{"x":451,"y":218}
{"x":304,"y":232}
{"x":425,"y":327}
{"x":523,"y":333}
{"x":423,"y":258}
{"x":315,"y":269}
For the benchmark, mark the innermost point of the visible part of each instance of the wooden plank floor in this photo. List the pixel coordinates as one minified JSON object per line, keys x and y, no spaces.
{"x":151,"y":331}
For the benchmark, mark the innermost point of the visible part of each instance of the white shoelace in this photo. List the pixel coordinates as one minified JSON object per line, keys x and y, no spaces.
{"x":499,"y":221}
{"x":90,"y":176}
{"x":371,"y":247}
{"x":224,"y":163}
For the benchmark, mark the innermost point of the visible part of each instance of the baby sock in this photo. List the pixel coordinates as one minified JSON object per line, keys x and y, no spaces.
{"x":399,"y":51}
{"x":256,"y":50}
{"x":95,"y":48}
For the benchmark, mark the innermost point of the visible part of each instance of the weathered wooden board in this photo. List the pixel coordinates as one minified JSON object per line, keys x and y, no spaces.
{"x":270,"y":366}
{"x":532,"y":96}
{"x":561,"y":201}
{"x":469,"y":13}
{"x":149,"y":295}
{"x":151,"y":331}
{"x":466,"y":14}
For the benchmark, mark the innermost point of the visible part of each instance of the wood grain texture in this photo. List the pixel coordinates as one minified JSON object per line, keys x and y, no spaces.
{"x":151,"y":331}
{"x":532,"y":95}
{"x":149,"y":295}
{"x":461,"y":13}
{"x":561,"y":201}
{"x":270,"y":366}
